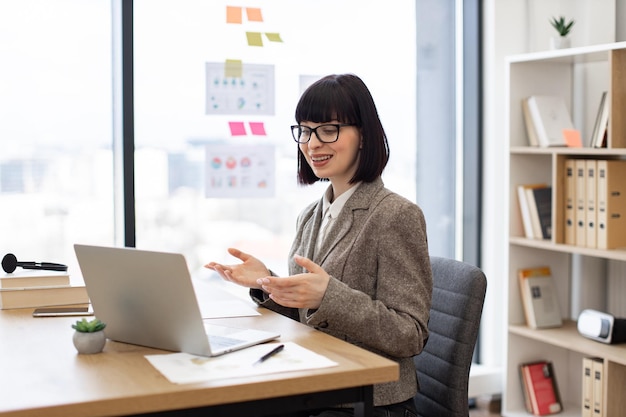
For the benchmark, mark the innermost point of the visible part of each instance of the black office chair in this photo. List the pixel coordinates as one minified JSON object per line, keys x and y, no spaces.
{"x":444,"y":364}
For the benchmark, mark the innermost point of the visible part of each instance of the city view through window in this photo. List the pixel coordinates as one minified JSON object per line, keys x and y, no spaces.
{"x":57,"y":165}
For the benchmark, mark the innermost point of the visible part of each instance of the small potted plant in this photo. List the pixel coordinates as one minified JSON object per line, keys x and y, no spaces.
{"x":563,"y":28}
{"x":89,"y":336}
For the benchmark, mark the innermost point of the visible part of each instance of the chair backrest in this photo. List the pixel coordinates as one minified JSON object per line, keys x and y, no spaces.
{"x":443,"y":366}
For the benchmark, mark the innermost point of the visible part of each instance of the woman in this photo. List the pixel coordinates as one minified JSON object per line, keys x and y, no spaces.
{"x":359,"y":263}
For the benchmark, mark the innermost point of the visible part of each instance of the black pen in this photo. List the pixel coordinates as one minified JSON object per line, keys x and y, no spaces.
{"x":270,"y":354}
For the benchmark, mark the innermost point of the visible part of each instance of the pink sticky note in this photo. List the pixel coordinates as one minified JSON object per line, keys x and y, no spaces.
{"x":572,"y":138}
{"x":257,"y":128}
{"x":237,"y":128}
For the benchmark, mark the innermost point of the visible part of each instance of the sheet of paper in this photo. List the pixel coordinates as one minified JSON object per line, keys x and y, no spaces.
{"x":183,"y":368}
{"x":215,"y":302}
{"x":240,"y":170}
{"x":226,"y":308}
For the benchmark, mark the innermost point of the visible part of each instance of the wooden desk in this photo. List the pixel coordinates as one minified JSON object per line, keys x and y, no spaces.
{"x":41,"y":374}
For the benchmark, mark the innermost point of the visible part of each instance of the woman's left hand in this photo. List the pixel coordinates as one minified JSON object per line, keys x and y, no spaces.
{"x":300,"y":291}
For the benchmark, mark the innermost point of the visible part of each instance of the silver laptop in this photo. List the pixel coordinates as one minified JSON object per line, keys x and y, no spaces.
{"x":147,"y":298}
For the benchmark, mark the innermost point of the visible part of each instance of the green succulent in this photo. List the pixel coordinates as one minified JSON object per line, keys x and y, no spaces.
{"x":561,"y":25}
{"x":84,"y":326}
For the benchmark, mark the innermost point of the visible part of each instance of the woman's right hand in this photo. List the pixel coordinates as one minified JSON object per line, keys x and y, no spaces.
{"x":245,"y":274}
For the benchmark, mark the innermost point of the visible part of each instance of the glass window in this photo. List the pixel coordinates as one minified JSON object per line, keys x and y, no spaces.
{"x":56,"y":171}
{"x":216,"y":89}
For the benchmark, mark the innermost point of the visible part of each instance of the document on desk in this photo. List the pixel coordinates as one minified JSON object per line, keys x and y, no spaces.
{"x":184,"y":368}
{"x":226,"y":308}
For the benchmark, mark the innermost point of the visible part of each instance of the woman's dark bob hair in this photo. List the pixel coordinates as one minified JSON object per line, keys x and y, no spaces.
{"x":346,"y":99}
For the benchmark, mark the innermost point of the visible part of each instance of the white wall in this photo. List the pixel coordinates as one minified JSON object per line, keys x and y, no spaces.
{"x":515,"y":27}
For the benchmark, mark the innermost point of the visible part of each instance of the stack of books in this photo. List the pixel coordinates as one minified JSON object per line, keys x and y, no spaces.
{"x":535,"y":202}
{"x":37,"y":288}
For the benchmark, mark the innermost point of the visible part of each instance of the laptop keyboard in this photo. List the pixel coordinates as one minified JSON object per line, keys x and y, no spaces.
{"x":221,"y":342}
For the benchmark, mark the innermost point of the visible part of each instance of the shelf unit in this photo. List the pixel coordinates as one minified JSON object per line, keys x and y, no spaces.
{"x":579,"y":75}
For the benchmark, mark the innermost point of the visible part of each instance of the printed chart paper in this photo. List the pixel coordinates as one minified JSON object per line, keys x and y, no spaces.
{"x":184,"y":368}
{"x":239,"y":171}
{"x":239,"y":89}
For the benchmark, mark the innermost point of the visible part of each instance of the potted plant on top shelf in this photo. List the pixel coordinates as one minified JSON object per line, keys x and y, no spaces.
{"x":89,"y":336}
{"x":563,"y":27}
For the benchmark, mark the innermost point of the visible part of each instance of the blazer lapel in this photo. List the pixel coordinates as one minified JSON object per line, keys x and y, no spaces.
{"x":360,"y":200}
{"x":311,"y":230}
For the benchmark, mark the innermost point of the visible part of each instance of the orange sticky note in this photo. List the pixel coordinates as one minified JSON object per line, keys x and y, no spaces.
{"x":254,"y":38}
{"x":237,"y":128}
{"x":254,"y":14}
{"x":257,"y":128}
{"x":233,"y":14}
{"x":572,"y":138}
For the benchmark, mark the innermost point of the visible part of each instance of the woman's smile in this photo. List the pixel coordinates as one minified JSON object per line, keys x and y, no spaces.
{"x":319,"y":160}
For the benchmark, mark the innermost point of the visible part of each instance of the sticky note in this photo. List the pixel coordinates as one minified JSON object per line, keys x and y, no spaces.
{"x":254,"y":14}
{"x":237,"y":128}
{"x":273,"y":37}
{"x":233,"y":68}
{"x":257,"y":128}
{"x":572,"y":138}
{"x":233,"y":14}
{"x":254,"y":38}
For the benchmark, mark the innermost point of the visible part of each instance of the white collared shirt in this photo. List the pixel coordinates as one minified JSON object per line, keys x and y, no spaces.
{"x":330,"y":211}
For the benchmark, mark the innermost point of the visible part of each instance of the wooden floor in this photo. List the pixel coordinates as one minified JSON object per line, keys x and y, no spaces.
{"x":477,"y":412}
{"x":486,"y":407}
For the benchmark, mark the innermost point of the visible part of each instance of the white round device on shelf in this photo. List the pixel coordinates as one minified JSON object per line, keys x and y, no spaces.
{"x":602,"y":327}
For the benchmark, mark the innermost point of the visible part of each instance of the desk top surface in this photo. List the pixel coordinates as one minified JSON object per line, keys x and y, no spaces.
{"x":40,"y":371}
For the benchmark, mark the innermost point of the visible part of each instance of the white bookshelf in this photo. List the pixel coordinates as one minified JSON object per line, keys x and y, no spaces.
{"x":579,"y":75}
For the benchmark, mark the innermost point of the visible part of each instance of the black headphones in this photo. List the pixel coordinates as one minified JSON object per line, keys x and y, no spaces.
{"x":10,"y":263}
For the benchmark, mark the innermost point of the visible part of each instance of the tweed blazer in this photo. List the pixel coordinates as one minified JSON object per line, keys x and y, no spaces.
{"x":380,"y":290}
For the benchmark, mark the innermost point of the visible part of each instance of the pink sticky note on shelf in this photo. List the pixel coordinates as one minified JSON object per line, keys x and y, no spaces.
{"x":237,"y":128}
{"x":572,"y":138}
{"x":257,"y":128}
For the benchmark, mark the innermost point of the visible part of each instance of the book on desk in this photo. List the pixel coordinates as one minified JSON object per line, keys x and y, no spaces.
{"x":33,"y":278}
{"x":29,"y":288}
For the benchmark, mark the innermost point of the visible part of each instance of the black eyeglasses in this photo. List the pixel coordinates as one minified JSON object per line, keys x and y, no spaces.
{"x":327,"y":133}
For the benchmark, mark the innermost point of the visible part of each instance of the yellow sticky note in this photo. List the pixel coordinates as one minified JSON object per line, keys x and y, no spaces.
{"x":233,"y":14}
{"x":572,"y":138}
{"x":233,"y":68}
{"x":254,"y":38}
{"x":254,"y":14}
{"x":273,"y":37}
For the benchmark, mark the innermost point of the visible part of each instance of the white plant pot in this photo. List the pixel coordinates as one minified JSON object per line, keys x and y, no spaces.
{"x":89,"y":343}
{"x":559,"y":42}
